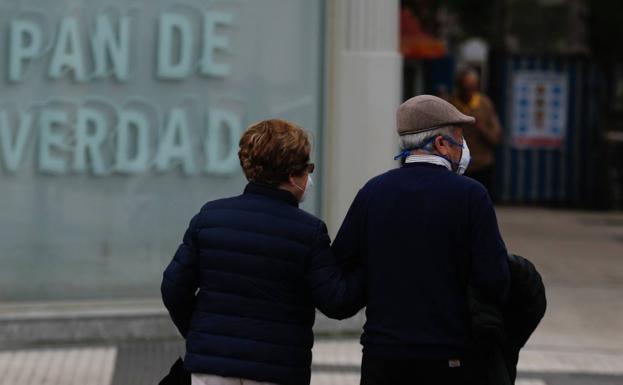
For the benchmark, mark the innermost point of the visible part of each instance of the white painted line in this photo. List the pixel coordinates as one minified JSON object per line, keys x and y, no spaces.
{"x":38,"y":376}
{"x":13,"y":368}
{"x":530,"y":382}
{"x":55,"y":367}
{"x":81,"y":309}
{"x":29,"y":364}
{"x":76,"y":366}
{"x":335,"y":379}
{"x":570,"y":362}
{"x":107,"y":368}
{"x":82,"y":368}
{"x":337,"y":352}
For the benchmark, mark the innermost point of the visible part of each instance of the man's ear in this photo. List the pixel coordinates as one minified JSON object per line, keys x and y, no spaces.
{"x":440,"y":146}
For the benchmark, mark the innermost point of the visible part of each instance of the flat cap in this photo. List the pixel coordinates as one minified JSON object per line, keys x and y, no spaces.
{"x":427,"y":112}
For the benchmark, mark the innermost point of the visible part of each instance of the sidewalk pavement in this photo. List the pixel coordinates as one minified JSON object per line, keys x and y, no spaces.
{"x":580,"y":341}
{"x":336,"y":362}
{"x":580,"y":256}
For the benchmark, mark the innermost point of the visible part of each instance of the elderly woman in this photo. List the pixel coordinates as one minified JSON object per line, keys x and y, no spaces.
{"x":244,"y":283}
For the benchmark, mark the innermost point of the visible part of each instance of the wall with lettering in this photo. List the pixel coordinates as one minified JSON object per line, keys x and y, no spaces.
{"x":119,"y":119}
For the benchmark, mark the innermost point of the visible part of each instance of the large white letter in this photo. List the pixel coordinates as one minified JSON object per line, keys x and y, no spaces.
{"x":169,"y":24}
{"x":25,"y":43}
{"x":90,"y":134}
{"x":139,"y":163}
{"x":67,"y":51}
{"x":212,"y":42}
{"x":118,"y":48}
{"x":13,"y":152}
{"x":218,"y":121}
{"x":48,"y":139}
{"x":176,"y":144}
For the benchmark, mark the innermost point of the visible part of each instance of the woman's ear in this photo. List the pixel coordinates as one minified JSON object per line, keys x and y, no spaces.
{"x":291,"y":180}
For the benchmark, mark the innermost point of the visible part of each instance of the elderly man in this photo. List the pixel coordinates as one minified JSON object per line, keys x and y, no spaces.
{"x":485,"y":134}
{"x":424,"y":232}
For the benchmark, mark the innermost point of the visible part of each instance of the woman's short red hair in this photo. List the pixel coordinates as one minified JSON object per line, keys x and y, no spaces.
{"x":272,"y":150}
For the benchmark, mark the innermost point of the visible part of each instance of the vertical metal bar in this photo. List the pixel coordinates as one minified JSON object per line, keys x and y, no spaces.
{"x":522,"y":158}
{"x":507,"y":80}
{"x":535,"y":171}
{"x":594,"y":129}
{"x":563,"y":157}
{"x":551,"y":156}
{"x":514,"y":152}
{"x":577,"y":128}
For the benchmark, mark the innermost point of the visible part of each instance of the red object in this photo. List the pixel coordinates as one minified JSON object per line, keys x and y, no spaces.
{"x":415,"y":43}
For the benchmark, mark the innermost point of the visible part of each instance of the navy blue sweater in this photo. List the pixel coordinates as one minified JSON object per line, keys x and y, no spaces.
{"x":243,"y":285}
{"x":422,"y":231}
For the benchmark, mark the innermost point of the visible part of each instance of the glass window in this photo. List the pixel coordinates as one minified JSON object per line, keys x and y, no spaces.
{"x":119,"y":119}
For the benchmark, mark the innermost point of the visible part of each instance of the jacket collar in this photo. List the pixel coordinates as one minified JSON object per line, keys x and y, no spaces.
{"x":271,"y":192}
{"x":425,"y":165}
{"x":430,"y":159}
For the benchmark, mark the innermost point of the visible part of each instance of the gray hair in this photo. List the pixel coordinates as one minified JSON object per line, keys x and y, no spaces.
{"x":411,"y":141}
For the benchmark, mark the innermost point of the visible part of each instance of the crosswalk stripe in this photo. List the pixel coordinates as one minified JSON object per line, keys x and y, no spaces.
{"x":73,"y":366}
{"x":544,"y":361}
{"x":334,"y":379}
{"x":530,"y":382}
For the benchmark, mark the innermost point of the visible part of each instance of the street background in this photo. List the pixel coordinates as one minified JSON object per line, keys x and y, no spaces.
{"x":119,"y":119}
{"x":578,"y":342}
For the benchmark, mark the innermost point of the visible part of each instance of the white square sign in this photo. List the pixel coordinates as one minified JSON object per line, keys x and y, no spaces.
{"x":539,"y":109}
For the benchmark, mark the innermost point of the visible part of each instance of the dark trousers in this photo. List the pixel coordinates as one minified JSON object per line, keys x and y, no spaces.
{"x":384,"y":371}
{"x":486,"y":176}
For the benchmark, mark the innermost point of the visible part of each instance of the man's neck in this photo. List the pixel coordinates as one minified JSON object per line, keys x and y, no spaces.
{"x":422,"y":152}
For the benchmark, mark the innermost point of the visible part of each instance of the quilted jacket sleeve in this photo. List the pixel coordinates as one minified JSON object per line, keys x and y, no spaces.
{"x":181,"y":280}
{"x":337,"y":293}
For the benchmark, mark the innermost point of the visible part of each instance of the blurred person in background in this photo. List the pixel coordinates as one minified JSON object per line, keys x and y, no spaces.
{"x":485,"y":134}
{"x":244,"y":283}
{"x":425,"y":233}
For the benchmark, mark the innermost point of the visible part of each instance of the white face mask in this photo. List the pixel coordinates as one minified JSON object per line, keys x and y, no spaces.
{"x":305,"y":190}
{"x":465,"y":159}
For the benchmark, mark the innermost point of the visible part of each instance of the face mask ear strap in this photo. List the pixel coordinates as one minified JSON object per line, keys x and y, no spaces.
{"x":291,"y":180}
{"x":298,"y":187}
{"x":452,"y":141}
{"x":403,"y":154}
{"x":407,"y":152}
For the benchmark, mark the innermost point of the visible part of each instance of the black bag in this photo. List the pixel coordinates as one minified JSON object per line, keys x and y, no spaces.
{"x":498,"y":333}
{"x":177,"y":375}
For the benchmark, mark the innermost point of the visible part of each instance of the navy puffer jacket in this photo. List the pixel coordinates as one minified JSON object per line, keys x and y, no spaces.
{"x":243,"y":286}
